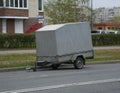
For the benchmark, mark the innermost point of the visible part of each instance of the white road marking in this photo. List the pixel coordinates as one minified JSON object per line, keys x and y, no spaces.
{"x":62,"y":86}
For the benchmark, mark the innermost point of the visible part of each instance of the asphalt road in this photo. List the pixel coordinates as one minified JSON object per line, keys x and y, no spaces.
{"x":102,"y":78}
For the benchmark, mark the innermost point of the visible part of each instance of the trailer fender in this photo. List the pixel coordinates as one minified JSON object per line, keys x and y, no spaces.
{"x":76,"y":56}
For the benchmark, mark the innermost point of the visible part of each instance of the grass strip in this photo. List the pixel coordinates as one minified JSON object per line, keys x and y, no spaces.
{"x":17,"y":60}
{"x":105,"y":55}
{"x":23,"y":60}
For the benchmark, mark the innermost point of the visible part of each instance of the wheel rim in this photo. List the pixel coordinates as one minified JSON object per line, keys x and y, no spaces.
{"x":80,"y":64}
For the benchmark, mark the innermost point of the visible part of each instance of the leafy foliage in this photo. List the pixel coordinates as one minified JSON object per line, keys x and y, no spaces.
{"x":64,"y":11}
{"x":106,"y":40}
{"x":115,"y":19}
{"x":17,"y":41}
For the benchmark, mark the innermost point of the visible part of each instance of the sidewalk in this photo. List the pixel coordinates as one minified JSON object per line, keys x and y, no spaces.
{"x":106,"y":47}
{"x":34,"y":51}
{"x":17,"y":51}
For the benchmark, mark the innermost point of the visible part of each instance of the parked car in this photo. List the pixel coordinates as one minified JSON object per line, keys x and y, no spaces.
{"x":114,"y":32}
{"x":99,"y":32}
{"x":117,"y":32}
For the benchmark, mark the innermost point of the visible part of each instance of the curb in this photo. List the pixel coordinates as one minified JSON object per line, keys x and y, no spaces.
{"x":12,"y":69}
{"x":104,"y":62}
{"x":89,"y":63}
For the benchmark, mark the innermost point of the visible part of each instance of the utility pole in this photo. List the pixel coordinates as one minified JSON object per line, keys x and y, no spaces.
{"x":75,"y":10}
{"x":91,"y":15}
{"x":83,"y":3}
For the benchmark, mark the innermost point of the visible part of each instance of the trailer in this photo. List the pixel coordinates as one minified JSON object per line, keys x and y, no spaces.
{"x":63,"y":43}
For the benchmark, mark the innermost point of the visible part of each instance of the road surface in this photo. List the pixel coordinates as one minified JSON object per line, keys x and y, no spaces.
{"x":102,"y":78}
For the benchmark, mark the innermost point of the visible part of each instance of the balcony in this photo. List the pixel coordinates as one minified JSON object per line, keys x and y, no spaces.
{"x":14,"y":9}
{"x":13,"y":13}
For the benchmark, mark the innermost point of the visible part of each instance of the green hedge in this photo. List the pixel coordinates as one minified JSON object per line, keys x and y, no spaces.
{"x":9,"y":41}
{"x":14,"y":41}
{"x":106,"y":40}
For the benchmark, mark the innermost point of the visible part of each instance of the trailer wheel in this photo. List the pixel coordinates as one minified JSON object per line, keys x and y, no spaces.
{"x":34,"y":69}
{"x":79,"y":63}
{"x":55,"y":66}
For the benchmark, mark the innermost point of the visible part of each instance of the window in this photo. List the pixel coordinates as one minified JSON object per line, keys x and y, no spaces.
{"x":1,"y":3}
{"x":7,"y":3}
{"x":100,"y":28}
{"x":40,"y":5}
{"x":112,"y":28}
{"x":14,"y":3}
{"x":21,"y":3}
{"x":116,"y":28}
{"x":25,"y":3}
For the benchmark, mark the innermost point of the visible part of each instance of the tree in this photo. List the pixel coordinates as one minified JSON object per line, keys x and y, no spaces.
{"x":115,"y":19}
{"x":64,"y":11}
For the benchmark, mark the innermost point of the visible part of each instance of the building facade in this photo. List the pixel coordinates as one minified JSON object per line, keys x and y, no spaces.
{"x":20,"y":16}
{"x":107,"y":26}
{"x":102,"y":15}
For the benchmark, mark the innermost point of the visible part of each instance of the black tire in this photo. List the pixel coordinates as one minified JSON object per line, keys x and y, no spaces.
{"x":34,"y":69}
{"x":79,"y":63}
{"x":55,"y":66}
